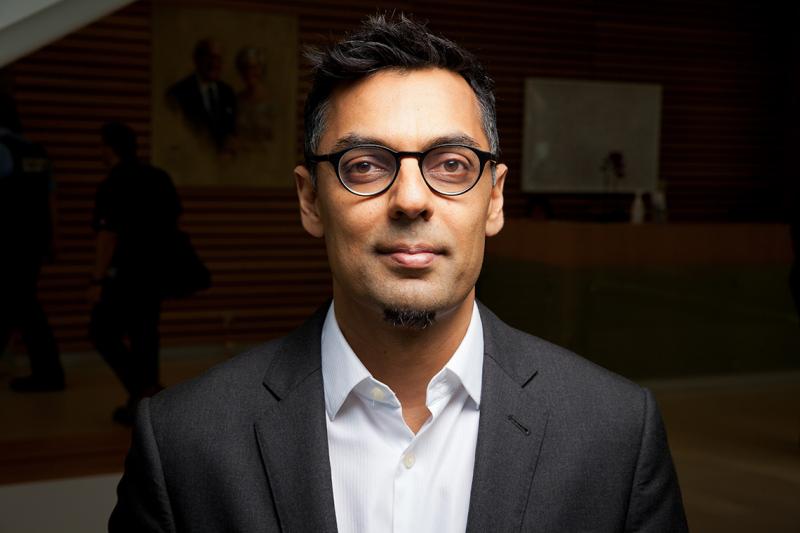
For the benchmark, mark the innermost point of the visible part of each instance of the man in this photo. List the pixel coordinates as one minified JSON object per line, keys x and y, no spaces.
{"x":207,"y":103}
{"x":27,"y":217}
{"x":135,"y":217}
{"x":404,"y":405}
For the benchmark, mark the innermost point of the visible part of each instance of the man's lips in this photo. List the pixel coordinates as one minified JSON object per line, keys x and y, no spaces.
{"x":411,"y":256}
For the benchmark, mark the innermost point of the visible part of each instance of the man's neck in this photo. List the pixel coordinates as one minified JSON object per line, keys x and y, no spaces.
{"x":405,"y":359}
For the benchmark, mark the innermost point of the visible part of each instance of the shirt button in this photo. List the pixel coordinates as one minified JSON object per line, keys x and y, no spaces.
{"x":409,"y":460}
{"x":377,"y":394}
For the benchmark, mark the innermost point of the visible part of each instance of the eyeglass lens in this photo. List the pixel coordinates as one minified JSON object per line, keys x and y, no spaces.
{"x":447,"y":169}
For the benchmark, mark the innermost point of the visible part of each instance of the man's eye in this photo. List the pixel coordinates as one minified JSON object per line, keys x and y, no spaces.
{"x":447,"y":164}
{"x":452,"y":165}
{"x":362,"y":167}
{"x":363,"y":170}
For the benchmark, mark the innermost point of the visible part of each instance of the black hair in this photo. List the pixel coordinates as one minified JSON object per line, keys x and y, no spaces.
{"x":390,"y":43}
{"x":121,"y":139}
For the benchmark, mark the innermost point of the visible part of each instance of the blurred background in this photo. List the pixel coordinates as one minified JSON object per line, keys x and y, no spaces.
{"x":667,"y":258}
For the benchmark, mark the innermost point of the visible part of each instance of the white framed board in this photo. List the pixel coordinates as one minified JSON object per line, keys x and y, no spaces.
{"x":590,"y":136}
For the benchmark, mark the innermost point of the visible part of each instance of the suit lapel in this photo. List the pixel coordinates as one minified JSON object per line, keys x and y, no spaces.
{"x":292,"y":434}
{"x":512,"y":426}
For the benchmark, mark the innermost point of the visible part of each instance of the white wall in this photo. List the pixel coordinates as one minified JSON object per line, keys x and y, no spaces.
{"x":26,"y":25}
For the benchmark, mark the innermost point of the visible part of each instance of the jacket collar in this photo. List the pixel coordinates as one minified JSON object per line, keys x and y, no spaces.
{"x":514,"y":415}
{"x":297,"y":356}
{"x":292,"y":435}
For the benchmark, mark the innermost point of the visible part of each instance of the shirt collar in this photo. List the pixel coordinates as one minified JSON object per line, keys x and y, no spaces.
{"x":467,"y":361}
{"x":342,"y":370}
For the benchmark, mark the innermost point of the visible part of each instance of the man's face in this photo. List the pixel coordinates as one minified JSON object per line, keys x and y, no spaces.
{"x":407,"y":248}
{"x":208,"y":62}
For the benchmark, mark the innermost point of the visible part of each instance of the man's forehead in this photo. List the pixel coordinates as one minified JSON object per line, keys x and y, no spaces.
{"x":426,"y":104}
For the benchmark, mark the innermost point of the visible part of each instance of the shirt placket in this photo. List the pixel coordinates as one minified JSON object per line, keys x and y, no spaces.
{"x":406,"y":486}
{"x":406,"y":480}
{"x":410,"y":470}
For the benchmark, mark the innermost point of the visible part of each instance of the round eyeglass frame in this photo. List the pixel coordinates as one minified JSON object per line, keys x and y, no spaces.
{"x":334,"y":159}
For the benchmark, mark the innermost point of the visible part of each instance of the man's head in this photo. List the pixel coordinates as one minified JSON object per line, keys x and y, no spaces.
{"x":119,"y":142}
{"x":250,"y":63}
{"x":382,"y":44}
{"x":414,"y":248}
{"x":208,"y":60}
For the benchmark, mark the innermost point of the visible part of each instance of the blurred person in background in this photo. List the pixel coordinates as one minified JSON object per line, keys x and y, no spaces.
{"x":135,"y":218}
{"x":27,"y":228}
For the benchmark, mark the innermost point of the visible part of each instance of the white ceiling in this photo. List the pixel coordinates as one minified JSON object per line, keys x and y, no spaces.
{"x":26,"y":25}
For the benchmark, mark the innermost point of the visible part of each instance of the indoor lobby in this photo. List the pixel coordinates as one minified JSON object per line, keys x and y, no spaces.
{"x":652,"y":217}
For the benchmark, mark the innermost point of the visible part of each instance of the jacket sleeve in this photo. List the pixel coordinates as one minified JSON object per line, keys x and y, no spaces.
{"x":655,"y":503}
{"x":142,"y":500}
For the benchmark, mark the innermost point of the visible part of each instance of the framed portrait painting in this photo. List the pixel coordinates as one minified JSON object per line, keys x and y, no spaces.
{"x":224,"y":86}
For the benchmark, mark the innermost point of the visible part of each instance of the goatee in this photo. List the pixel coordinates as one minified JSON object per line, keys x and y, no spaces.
{"x":409,"y":318}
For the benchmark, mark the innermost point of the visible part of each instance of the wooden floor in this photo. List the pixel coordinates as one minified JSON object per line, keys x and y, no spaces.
{"x":736,"y":446}
{"x":735,"y":440}
{"x":70,"y":433}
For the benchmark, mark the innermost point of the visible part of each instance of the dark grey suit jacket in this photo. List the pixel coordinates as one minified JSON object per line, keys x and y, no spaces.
{"x":563,"y":446}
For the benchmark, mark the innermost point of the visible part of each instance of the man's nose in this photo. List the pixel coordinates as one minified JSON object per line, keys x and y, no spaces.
{"x":409,"y":196}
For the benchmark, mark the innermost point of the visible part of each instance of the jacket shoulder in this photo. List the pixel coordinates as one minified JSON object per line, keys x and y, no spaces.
{"x":238,"y":390}
{"x":227,"y":390}
{"x":183,"y":86}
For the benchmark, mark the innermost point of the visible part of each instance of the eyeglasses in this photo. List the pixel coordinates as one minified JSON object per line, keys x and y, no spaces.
{"x":370,"y":169}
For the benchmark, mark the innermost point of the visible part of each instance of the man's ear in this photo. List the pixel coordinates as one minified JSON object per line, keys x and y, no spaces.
{"x":494,"y":216}
{"x":307,"y":195}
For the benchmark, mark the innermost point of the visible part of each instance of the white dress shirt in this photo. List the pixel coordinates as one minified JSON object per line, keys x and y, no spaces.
{"x":386,"y":478}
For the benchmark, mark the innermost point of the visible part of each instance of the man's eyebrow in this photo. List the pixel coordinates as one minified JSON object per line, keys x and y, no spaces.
{"x":460,"y":138}
{"x":351,"y":140}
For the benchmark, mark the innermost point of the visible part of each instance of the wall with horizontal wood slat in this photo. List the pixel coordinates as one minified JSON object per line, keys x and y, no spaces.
{"x":717,"y":61}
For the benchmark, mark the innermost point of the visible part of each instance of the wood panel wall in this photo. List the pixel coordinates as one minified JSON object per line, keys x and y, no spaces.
{"x":716,"y":60}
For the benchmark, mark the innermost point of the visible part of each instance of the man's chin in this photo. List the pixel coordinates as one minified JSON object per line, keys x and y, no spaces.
{"x":417,"y":308}
{"x":414,"y":303}
{"x":411,"y":295}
